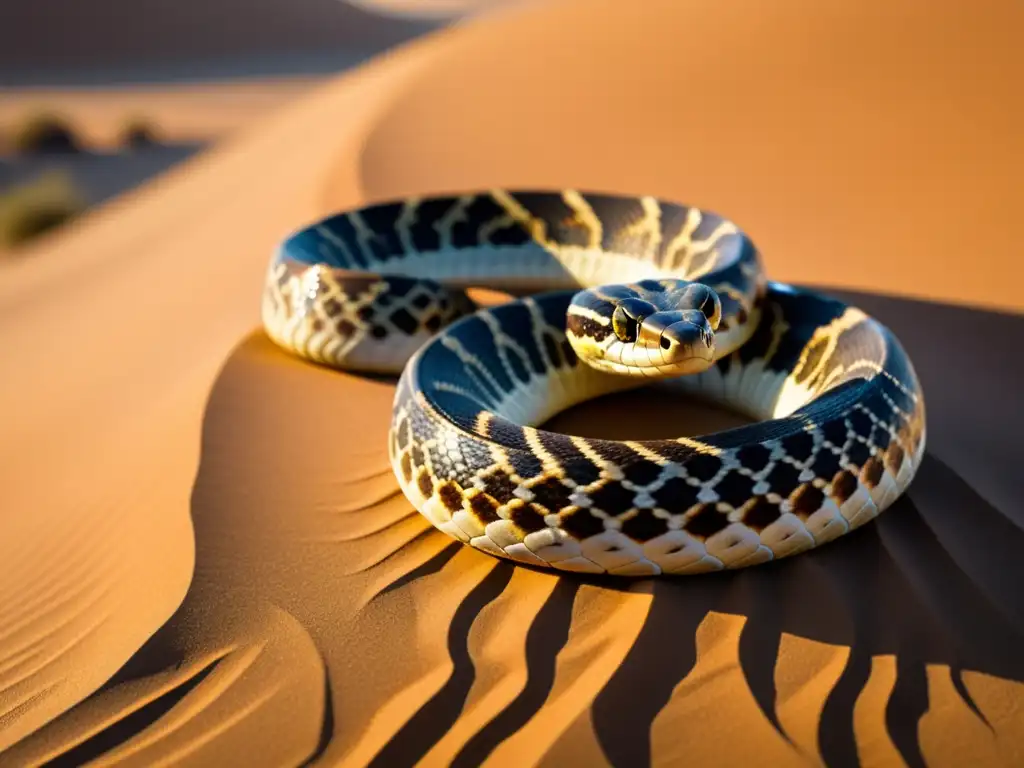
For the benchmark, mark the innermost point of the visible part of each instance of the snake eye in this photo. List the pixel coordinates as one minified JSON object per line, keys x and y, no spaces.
{"x":707,"y":301}
{"x":625,"y":327}
{"x":627,"y":317}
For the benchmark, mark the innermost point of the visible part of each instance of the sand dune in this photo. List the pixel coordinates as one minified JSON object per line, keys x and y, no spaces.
{"x":207,"y":561}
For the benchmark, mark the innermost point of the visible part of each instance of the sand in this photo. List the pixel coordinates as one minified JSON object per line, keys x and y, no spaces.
{"x":206,"y":560}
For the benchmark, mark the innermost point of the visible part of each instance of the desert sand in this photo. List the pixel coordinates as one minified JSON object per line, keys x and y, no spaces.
{"x":205,"y":559}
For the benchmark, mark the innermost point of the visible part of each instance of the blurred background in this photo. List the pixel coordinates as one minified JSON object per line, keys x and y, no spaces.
{"x":122,"y":90}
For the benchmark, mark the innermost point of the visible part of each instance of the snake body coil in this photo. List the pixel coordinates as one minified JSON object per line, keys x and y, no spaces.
{"x":614,"y":293}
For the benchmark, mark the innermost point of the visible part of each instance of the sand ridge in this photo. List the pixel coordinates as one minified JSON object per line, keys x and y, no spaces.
{"x":213,"y":564}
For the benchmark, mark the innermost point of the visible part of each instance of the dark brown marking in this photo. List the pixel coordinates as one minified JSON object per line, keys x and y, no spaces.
{"x":417,"y":456}
{"x":499,"y":485}
{"x":703,"y":466}
{"x":345,"y":327}
{"x":552,"y":494}
{"x":406,"y":464}
{"x":403,"y":321}
{"x":426,"y":484}
{"x":404,"y":434}
{"x":551,"y":348}
{"x":871,"y":472}
{"x":754,"y":457}
{"x":844,"y":485}
{"x":894,"y":457}
{"x":585,"y":326}
{"x":332,"y":307}
{"x":432,"y":323}
{"x":644,"y":525}
{"x":806,"y":500}
{"x":612,"y":496}
{"x":800,"y":446}
{"x":379,"y":331}
{"x":569,"y":354}
{"x":484,"y":507}
{"x":581,"y":524}
{"x":642,"y":472}
{"x":676,"y":495}
{"x":760,"y":513}
{"x":526,"y":517}
{"x":706,"y":522}
{"x":735,"y":489}
{"x":450,"y":496}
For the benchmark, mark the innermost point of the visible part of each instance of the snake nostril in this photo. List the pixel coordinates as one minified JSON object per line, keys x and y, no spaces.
{"x":666,"y":343}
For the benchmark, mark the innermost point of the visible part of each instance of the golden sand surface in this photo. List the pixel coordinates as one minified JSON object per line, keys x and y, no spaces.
{"x":204,"y":556}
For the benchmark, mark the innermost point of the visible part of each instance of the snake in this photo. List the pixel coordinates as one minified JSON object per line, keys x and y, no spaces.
{"x":605,"y":293}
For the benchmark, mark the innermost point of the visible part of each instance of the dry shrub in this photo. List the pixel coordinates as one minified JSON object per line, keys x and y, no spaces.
{"x":44,"y":133}
{"x":35,"y":207}
{"x":138,"y":133}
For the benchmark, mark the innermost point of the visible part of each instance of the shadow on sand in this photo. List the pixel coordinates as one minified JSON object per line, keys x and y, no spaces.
{"x":934,"y":581}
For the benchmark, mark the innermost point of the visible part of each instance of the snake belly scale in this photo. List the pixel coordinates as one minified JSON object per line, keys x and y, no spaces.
{"x":612,"y":293}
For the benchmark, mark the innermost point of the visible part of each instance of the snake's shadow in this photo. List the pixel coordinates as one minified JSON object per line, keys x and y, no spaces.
{"x":934,"y":581}
{"x":900,"y":587}
{"x":931,"y":582}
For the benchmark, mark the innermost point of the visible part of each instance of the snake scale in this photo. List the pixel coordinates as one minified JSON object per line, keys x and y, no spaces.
{"x":610,"y":292}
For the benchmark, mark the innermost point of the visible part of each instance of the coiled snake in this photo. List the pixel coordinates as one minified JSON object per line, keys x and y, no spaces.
{"x":637,"y":289}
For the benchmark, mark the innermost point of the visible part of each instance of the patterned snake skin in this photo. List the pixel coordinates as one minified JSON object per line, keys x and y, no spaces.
{"x":839,"y":424}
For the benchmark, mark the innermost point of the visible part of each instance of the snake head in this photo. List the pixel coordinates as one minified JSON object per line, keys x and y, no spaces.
{"x":654,"y":328}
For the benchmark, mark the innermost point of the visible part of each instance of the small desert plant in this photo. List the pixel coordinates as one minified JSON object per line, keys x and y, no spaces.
{"x":138,"y":132}
{"x":37,"y":206}
{"x":44,"y":132}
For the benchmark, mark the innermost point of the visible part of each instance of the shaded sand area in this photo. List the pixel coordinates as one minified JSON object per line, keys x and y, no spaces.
{"x":183,"y":119}
{"x":190,"y":112}
{"x":204,"y":557}
{"x":145,"y":41}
